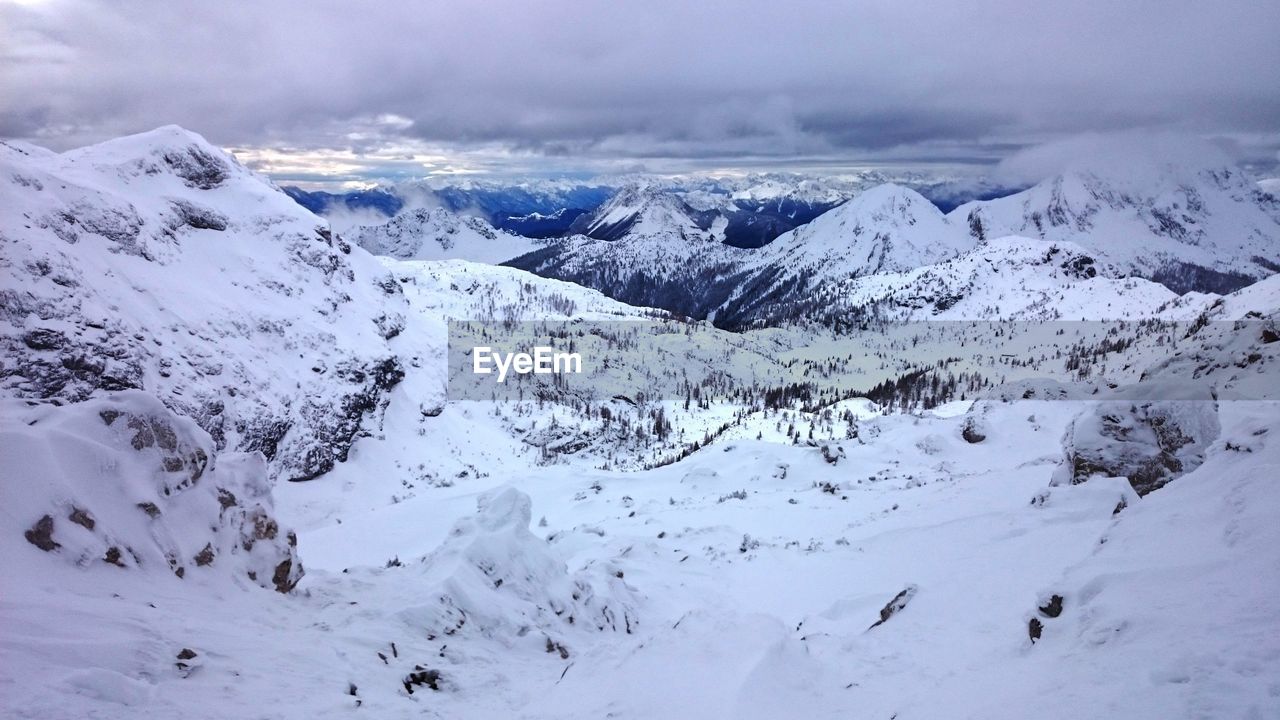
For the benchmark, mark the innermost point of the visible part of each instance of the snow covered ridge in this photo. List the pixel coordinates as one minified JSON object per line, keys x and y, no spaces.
{"x":123,"y":481}
{"x":158,"y":262}
{"x":1187,"y":220}
{"x":1173,"y":209}
{"x":438,"y":234}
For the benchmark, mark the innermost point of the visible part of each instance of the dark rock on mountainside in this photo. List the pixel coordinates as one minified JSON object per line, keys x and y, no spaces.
{"x":1149,"y":443}
{"x":41,"y":534}
{"x":896,"y":605}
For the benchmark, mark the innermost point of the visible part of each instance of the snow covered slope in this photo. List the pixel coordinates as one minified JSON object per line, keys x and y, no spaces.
{"x":1173,"y":209}
{"x":795,"y":585}
{"x":158,"y":262}
{"x":438,"y":234}
{"x":884,"y":229}
{"x":1010,"y":278}
{"x":888,"y":228}
{"x":1093,"y":537}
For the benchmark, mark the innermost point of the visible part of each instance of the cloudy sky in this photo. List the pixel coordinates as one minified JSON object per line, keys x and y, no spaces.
{"x":344,"y":92}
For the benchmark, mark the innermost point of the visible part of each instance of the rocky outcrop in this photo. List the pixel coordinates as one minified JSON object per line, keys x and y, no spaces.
{"x":123,"y":481}
{"x":1150,"y":443}
{"x":896,"y":605}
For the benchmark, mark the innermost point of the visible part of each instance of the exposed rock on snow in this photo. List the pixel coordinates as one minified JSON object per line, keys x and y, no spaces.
{"x":122,"y":480}
{"x":1150,"y":443}
{"x":896,"y":605}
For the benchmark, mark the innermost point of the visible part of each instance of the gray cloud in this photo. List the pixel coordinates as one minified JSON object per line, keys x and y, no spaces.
{"x":538,"y":86}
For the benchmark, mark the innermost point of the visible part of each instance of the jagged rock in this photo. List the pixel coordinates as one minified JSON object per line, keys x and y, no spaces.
{"x":972,"y":431}
{"x":1053,"y":608}
{"x":41,"y":534}
{"x":205,"y":556}
{"x":1150,"y":443}
{"x":896,"y":605}
{"x":422,"y":676}
{"x":81,"y":518}
{"x":114,"y":557}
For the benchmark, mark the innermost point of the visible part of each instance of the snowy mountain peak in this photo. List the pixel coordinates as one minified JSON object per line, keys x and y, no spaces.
{"x":890,"y":204}
{"x":1178,"y":212}
{"x":166,"y":150}
{"x":157,"y":262}
{"x":438,"y":234}
{"x":643,"y":209}
{"x":886,"y":228}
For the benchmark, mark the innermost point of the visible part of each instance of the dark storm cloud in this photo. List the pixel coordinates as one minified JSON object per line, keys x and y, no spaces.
{"x":530,"y":85}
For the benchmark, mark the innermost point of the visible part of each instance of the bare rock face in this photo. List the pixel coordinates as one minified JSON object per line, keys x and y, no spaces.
{"x":1150,"y":443}
{"x":123,"y":481}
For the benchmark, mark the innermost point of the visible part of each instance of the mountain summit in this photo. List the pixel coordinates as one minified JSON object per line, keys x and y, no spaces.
{"x":1173,"y":209}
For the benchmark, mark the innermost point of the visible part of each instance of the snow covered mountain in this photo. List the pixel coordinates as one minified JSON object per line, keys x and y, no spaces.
{"x":755,"y":208}
{"x":438,"y":234}
{"x":1010,"y":278}
{"x":1172,"y":209}
{"x":645,"y":247}
{"x":1182,"y":216}
{"x":158,"y":262}
{"x":657,"y":255}
{"x":642,"y":211}
{"x":964,"y":501}
{"x":887,"y":228}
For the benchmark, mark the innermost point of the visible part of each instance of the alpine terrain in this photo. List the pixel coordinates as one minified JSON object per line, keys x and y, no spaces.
{"x":871,"y":459}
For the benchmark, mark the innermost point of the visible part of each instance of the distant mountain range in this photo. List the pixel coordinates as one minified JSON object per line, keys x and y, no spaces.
{"x":756,"y":208}
{"x":1190,"y":221}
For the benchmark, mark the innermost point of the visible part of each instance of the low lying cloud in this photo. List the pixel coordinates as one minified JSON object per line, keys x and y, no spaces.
{"x":366,"y":90}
